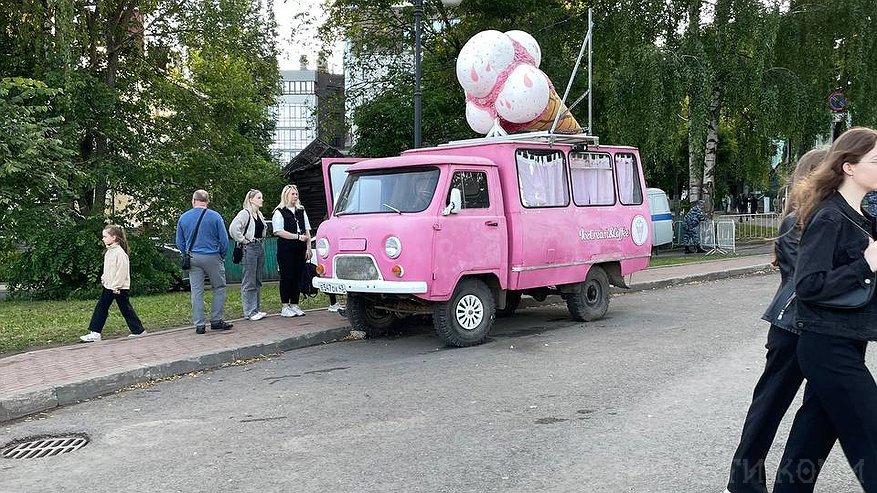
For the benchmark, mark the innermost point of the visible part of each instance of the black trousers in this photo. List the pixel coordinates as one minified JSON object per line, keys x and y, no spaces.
{"x":291,"y":262}
{"x":99,"y":317}
{"x":773,"y":394}
{"x":840,"y":403}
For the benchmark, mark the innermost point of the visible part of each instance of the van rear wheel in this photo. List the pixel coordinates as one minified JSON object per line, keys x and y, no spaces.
{"x":465,"y":319}
{"x":590,"y":299}
{"x":364,"y":317}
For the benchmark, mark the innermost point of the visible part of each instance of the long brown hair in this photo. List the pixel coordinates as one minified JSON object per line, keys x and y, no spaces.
{"x":805,"y":166}
{"x":118,"y":233}
{"x":829,"y":174}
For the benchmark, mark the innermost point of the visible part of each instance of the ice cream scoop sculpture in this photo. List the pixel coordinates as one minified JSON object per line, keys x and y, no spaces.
{"x":505,"y":90}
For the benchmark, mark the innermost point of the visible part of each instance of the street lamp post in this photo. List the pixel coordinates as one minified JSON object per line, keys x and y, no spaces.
{"x":418,"y":17}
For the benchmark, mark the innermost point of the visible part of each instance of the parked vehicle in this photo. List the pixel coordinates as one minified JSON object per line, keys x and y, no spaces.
{"x":662,"y":218}
{"x":461,"y":231}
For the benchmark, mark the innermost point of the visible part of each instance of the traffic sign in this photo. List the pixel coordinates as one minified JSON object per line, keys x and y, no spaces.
{"x":837,"y":102}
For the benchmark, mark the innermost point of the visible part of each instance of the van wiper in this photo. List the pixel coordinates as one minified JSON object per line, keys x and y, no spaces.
{"x":392,"y":208}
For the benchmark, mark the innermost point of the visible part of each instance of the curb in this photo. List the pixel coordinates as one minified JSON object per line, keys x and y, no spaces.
{"x":70,"y":393}
{"x":709,"y":276}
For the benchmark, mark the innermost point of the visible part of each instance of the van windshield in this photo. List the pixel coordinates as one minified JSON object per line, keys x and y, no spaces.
{"x":381,"y":191}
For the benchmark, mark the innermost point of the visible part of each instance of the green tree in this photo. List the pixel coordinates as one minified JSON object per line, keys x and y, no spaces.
{"x":154,"y":98}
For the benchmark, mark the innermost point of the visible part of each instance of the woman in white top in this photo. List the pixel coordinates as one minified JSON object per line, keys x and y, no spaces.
{"x":292,"y":228}
{"x":248,"y":228}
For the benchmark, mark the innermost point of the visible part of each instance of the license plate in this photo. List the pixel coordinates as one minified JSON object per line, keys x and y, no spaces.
{"x":332,"y":288}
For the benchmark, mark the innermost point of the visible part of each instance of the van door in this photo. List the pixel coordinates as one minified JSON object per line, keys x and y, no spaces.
{"x":474,"y":239}
{"x":334,"y":175}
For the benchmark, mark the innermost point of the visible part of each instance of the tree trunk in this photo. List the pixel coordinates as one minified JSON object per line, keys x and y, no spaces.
{"x":695,"y":178}
{"x":709,"y":157}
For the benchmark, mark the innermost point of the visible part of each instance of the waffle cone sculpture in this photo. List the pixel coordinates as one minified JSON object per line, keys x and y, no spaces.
{"x":566,"y":125}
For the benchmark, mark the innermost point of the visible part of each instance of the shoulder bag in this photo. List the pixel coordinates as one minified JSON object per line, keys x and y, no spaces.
{"x":187,"y":255}
{"x":238,"y":253}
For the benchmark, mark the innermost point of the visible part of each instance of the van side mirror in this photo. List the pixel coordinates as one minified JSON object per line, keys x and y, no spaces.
{"x":455,"y":204}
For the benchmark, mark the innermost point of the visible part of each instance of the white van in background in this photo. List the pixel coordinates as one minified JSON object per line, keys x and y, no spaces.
{"x":662,"y":218}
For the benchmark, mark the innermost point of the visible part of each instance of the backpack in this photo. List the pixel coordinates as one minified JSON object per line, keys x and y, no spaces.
{"x":306,"y":286}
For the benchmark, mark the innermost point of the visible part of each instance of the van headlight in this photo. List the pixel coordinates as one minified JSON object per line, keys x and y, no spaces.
{"x":393,"y":247}
{"x":323,"y":247}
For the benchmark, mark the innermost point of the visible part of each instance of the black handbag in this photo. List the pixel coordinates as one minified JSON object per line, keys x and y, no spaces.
{"x":237,"y":255}
{"x":852,"y":299}
{"x":306,"y":282}
{"x":186,"y":261}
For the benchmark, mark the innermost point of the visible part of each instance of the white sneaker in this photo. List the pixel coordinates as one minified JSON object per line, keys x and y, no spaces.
{"x":297,"y":311}
{"x":287,"y":311}
{"x":137,"y":335}
{"x":90,"y":337}
{"x":334,"y":308}
{"x":257,"y":316}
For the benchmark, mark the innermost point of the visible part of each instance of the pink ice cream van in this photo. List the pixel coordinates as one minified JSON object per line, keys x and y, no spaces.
{"x":462,"y":230}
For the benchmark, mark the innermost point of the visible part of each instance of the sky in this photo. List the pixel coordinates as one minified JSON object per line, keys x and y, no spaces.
{"x":296,"y":39}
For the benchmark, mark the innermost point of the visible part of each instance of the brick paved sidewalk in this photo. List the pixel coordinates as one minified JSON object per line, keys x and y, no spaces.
{"x":46,"y":378}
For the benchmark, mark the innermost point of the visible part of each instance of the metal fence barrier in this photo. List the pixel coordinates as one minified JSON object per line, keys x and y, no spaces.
{"x":722,"y":233}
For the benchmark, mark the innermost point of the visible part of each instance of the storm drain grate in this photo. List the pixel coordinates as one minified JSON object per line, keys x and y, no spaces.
{"x":36,"y":448}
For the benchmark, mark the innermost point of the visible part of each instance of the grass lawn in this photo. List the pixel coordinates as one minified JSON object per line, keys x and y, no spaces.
{"x":32,"y":324}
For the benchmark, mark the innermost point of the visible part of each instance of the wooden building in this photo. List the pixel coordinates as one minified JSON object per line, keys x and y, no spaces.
{"x":306,"y":172}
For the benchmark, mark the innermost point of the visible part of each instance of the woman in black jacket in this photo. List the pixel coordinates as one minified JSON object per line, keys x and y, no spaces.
{"x":781,"y":379}
{"x":836,"y":256}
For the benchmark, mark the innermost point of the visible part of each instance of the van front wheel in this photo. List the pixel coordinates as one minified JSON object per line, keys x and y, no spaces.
{"x":375,"y":322}
{"x":465,"y":319}
{"x":590,"y":299}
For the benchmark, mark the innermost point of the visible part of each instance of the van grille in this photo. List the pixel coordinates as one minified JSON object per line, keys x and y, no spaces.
{"x":356,"y":268}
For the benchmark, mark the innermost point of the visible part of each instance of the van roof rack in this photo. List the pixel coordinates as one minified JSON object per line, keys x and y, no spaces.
{"x":543,"y":136}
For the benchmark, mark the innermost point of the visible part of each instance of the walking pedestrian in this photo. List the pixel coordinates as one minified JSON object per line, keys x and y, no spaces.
{"x":837,"y":256}
{"x":753,"y":203}
{"x":201,"y":234}
{"x":116,"y":282}
{"x":691,"y":226}
{"x":248,"y":230}
{"x":782,"y":377}
{"x":292,"y":228}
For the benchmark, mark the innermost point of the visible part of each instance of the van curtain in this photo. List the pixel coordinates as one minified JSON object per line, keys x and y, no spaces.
{"x":592,"y":179}
{"x":542,"y":179}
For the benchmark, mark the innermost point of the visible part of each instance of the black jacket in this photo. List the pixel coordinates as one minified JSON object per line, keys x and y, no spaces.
{"x":783,"y":309}
{"x":831,"y":262}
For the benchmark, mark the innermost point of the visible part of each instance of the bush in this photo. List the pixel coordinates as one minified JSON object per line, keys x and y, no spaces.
{"x":66,"y":262}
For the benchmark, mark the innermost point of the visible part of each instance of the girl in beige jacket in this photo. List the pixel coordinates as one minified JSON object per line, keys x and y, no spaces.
{"x":116,"y":281}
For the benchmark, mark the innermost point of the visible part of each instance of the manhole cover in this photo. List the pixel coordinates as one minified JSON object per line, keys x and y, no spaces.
{"x":35,"y":448}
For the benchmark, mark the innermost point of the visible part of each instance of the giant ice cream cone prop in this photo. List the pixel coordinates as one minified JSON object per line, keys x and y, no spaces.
{"x":567,"y":124}
{"x":505,"y":90}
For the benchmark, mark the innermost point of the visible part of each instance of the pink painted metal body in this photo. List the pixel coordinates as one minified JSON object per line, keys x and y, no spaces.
{"x":515,"y":245}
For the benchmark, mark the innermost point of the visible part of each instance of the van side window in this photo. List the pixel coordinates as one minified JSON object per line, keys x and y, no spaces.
{"x":542,"y":178}
{"x":473,"y":185}
{"x":630,"y":190}
{"x":592,"y":182}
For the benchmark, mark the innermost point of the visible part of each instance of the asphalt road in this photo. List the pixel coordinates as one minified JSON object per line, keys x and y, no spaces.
{"x":650,"y":399}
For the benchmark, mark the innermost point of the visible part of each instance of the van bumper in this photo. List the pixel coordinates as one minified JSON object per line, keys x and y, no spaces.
{"x":343,"y":286}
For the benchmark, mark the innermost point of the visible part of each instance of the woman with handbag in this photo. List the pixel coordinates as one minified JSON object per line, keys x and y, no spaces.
{"x":837,"y":316}
{"x":248,"y":230}
{"x":781,"y":378}
{"x":292,"y":228}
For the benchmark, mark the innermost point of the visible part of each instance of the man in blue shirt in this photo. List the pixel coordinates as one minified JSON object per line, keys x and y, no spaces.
{"x":208,"y":258}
